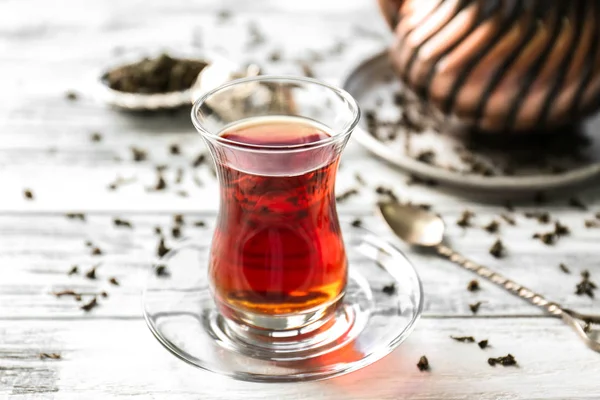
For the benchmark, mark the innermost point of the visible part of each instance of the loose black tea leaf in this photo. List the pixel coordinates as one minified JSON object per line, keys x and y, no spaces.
{"x":564,"y":268}
{"x":359,"y":179}
{"x":585,"y":274}
{"x":506,"y":361}
{"x":120,"y":181}
{"x":389,"y":289}
{"x":174,"y":149}
{"x":464,"y":339}
{"x":162,"y":271}
{"x":104,"y":294}
{"x":255,"y":35}
{"x":509,"y":206}
{"x":176,"y":232}
{"x":122,"y":223}
{"x":482,"y":344}
{"x":198,"y":181}
{"x":79,"y":216}
{"x":475,"y":307}
{"x":199,"y":160}
{"x":426,"y":157}
{"x":577,"y":203}
{"x":592,"y":223}
{"x":74,"y":270}
{"x":88,"y":243}
{"x":96,"y":137}
{"x":337,"y":49}
{"x":91,"y":274}
{"x":28,"y":194}
{"x":542,"y":217}
{"x":275,"y":56}
{"x":498,"y":250}
{"x":385,"y":191}
{"x":415,"y":180}
{"x":509,"y":220}
{"x":161,"y":249}
{"x":51,"y":356}
{"x":560,"y":229}
{"x":399,"y":99}
{"x":586,"y":286}
{"x":492,"y":227}
{"x":411,"y":124}
{"x":224,"y":15}
{"x":155,"y":75}
{"x":157,"y":230}
{"x":63,"y":293}
{"x":548,"y":238}
{"x":90,"y":305}
{"x":161,"y":184}
{"x":178,"y":219}
{"x":346,"y":195}
{"x":200,"y":224}
{"x":139,"y":154}
{"x":179,"y":176}
{"x":357,"y":223}
{"x":465,"y":219}
{"x":96,"y":251}
{"x":423,"y":364}
{"x":71,"y":95}
{"x":113,"y":281}
{"x":473,"y":286}
{"x":307,"y":69}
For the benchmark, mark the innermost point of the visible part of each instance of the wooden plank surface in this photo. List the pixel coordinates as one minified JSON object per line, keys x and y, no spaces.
{"x":120,"y":358}
{"x":45,"y":146}
{"x":38,"y":251}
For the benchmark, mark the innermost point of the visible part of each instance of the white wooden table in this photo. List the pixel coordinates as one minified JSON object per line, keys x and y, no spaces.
{"x":49,"y":48}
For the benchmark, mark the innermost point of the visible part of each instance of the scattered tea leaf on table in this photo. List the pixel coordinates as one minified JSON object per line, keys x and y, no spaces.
{"x":389,"y":289}
{"x":473,"y":286}
{"x":506,"y":361}
{"x":162,"y":249}
{"x":423,"y":364}
{"x":498,"y":249}
{"x":90,"y":305}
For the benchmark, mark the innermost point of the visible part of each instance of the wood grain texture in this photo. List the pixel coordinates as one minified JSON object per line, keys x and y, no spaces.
{"x":40,"y":250}
{"x":109,"y":353}
{"x":121,"y":359}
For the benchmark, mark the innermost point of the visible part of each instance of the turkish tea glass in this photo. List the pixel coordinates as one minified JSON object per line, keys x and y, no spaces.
{"x":277,"y":265}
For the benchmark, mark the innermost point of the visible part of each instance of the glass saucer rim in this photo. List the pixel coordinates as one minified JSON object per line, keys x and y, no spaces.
{"x":311,"y":376}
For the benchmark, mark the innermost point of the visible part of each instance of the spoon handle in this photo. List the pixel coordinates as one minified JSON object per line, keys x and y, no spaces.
{"x":579,"y":322}
{"x":500,"y":280}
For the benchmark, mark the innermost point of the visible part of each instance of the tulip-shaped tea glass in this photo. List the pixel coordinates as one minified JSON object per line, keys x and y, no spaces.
{"x":284,"y":306}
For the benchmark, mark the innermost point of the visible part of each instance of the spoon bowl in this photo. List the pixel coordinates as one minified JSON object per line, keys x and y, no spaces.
{"x":413,"y":225}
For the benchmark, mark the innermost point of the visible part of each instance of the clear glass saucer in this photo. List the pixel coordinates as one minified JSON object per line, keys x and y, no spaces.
{"x":383,"y":301}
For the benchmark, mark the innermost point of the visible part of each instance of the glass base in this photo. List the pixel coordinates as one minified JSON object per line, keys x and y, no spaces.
{"x":382,"y":302}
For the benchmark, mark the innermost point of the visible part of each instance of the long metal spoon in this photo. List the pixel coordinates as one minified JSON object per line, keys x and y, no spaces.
{"x":419,"y":227}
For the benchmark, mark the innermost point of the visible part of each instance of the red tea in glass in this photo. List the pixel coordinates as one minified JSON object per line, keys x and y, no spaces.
{"x":277,"y":248}
{"x":277,"y":259}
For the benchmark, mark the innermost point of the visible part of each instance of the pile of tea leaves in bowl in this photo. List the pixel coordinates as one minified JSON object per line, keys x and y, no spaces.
{"x":163,"y":74}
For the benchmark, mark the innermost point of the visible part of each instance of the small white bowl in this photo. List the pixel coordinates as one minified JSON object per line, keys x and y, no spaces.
{"x":219,"y":69}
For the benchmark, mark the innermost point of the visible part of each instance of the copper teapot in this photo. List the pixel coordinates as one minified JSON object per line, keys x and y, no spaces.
{"x":499,"y":65}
